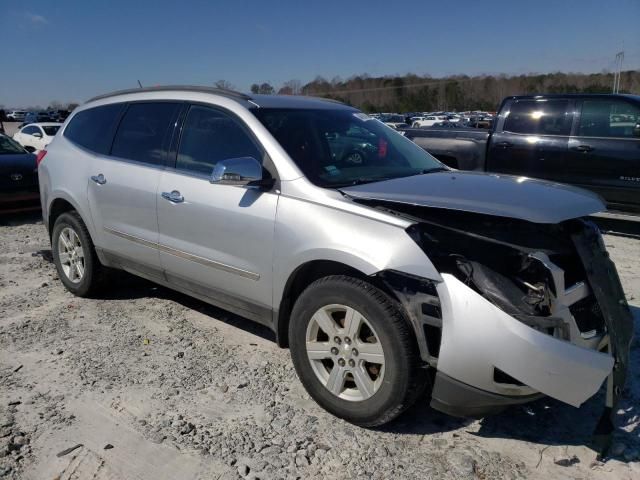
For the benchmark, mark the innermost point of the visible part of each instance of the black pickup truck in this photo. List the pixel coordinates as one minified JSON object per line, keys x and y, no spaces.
{"x":592,"y":141}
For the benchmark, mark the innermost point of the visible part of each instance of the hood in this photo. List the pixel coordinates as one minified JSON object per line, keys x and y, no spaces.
{"x":523,"y":198}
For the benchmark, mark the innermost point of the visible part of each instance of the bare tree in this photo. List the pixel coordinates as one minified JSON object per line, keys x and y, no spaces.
{"x":295,"y":85}
{"x":224,"y":85}
{"x":264,"y":88}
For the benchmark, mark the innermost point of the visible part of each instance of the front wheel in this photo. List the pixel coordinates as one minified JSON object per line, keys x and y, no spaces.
{"x":354,"y":351}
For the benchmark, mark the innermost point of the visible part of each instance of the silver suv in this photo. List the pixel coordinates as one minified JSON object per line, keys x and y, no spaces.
{"x":384,"y":271}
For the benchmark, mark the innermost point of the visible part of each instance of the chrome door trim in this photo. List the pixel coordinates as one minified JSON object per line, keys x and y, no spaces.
{"x":187,"y":256}
{"x":133,"y":238}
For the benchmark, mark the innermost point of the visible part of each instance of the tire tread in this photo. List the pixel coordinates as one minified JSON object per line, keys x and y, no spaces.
{"x":400,"y":323}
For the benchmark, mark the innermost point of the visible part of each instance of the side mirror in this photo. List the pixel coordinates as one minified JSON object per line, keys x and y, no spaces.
{"x":37,"y":134}
{"x":237,"y":171}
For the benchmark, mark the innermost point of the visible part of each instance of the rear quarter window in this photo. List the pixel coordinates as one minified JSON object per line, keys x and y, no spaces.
{"x":93,"y":128}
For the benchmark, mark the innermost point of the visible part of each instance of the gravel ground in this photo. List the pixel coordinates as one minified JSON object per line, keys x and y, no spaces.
{"x":150,"y":384}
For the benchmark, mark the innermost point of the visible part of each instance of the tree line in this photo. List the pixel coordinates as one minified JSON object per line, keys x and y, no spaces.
{"x":415,"y":93}
{"x":421,"y":93}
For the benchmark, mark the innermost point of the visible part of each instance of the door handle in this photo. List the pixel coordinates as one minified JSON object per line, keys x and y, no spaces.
{"x":173,"y":197}
{"x":504,"y":144}
{"x":99,"y":179}
{"x":583,"y":148}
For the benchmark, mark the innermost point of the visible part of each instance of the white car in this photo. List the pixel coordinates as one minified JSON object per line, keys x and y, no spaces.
{"x":36,"y":135}
{"x":16,"y":115}
{"x":428,"y":121}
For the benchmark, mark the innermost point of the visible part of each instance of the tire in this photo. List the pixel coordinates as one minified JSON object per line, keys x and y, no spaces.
{"x":69,"y":228}
{"x":399,"y":380}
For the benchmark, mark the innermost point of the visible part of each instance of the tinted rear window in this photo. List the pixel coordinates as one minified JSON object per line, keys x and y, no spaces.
{"x":546,"y":117}
{"x":92,"y":128}
{"x":143,"y":131}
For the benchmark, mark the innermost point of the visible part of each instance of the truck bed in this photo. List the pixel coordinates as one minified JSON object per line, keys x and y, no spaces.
{"x":463,"y":148}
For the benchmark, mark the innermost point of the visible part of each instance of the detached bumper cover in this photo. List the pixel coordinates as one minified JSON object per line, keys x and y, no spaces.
{"x":477,"y":337}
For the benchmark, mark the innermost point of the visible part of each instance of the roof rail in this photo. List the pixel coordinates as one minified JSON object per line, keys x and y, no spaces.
{"x":185,"y":88}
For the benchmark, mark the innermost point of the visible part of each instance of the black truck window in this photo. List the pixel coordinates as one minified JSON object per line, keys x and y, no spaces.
{"x":539,"y":117}
{"x":608,"y":118}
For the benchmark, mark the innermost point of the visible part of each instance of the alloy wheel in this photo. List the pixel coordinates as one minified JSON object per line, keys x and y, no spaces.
{"x":345,"y":352}
{"x":71,"y":255}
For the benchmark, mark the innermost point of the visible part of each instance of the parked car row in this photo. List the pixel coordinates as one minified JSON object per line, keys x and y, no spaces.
{"x":26,"y":117}
{"x":467,"y":119}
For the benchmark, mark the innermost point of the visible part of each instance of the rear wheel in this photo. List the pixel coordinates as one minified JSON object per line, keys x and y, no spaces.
{"x":74,"y":255}
{"x":354,"y":351}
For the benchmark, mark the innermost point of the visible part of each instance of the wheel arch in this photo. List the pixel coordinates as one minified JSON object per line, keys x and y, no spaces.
{"x":62,"y":202}
{"x":303,"y":276}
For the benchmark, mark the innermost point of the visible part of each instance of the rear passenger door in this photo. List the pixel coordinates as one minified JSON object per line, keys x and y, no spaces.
{"x":532,"y":139}
{"x":216,"y":241}
{"x":604,"y":150}
{"x":123,"y":184}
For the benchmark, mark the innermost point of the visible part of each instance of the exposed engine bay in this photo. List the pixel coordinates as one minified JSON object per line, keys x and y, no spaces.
{"x":554,"y":278}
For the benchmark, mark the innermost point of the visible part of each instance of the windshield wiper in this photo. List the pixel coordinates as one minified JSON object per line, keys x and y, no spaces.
{"x":433,"y":170}
{"x":358,"y":181}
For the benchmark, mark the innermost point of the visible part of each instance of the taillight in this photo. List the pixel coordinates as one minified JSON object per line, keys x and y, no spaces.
{"x":40,"y":156}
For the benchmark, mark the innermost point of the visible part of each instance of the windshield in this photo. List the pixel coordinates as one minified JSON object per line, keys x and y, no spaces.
{"x":51,"y":131}
{"x":341,"y":147}
{"x":9,"y":147}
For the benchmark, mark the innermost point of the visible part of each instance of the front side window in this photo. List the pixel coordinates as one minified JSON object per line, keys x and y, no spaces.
{"x":539,"y":117}
{"x":92,"y":128}
{"x":340,"y":147}
{"x":609,"y":118}
{"x":142,"y":132}
{"x":209,"y":136}
{"x":29,"y":130}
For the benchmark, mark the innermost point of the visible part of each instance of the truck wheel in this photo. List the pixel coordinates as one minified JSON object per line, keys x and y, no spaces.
{"x":354,"y":351}
{"x":75,"y":257}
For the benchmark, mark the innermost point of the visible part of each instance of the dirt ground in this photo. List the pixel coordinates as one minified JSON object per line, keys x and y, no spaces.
{"x":151,"y":385}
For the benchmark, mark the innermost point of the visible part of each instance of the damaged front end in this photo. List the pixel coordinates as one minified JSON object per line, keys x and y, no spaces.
{"x":524,"y":309}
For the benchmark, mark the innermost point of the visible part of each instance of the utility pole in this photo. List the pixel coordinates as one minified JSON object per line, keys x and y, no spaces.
{"x":616,"y":74}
